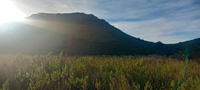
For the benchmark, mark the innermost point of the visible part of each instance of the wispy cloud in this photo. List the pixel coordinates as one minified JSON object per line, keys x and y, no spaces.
{"x":161,"y":30}
{"x":169,"y":21}
{"x":53,"y":6}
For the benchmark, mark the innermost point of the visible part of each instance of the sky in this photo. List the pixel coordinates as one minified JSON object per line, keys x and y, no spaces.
{"x":168,"y":21}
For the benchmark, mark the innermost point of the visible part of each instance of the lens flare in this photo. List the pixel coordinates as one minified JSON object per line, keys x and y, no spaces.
{"x":186,"y":56}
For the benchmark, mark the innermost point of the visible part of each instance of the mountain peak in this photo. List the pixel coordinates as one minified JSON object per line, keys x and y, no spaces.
{"x":63,"y":16}
{"x":82,"y":34}
{"x":75,"y":13}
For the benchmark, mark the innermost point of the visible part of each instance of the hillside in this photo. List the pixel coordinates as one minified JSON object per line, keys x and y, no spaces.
{"x":79,"y":34}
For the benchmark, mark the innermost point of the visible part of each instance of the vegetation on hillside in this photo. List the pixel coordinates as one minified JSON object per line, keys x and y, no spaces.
{"x":50,"y":72}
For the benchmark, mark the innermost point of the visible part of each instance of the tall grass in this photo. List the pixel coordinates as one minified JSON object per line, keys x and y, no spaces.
{"x":50,"y":72}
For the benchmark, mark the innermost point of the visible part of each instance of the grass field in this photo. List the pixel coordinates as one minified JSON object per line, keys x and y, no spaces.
{"x":48,"y":72}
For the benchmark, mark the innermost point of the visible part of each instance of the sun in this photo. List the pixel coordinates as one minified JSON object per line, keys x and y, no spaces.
{"x":9,"y":13}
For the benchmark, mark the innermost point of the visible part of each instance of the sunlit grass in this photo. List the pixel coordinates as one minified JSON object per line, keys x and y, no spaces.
{"x":102,"y":73}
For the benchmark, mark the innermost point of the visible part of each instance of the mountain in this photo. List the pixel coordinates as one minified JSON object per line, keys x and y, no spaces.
{"x":80,"y":34}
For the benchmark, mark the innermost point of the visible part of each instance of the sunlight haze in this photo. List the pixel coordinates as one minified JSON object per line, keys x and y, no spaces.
{"x":9,"y":13}
{"x":168,"y":21}
{"x":99,"y":44}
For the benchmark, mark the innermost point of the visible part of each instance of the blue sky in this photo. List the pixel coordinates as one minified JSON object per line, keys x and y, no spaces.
{"x":169,"y":21}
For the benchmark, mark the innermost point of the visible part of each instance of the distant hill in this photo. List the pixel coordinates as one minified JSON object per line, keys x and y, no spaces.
{"x":80,"y":34}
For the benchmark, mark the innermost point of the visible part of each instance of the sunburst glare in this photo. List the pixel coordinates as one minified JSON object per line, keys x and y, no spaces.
{"x":9,"y":13}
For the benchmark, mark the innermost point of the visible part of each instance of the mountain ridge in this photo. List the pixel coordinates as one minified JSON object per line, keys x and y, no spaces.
{"x":81,"y":34}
